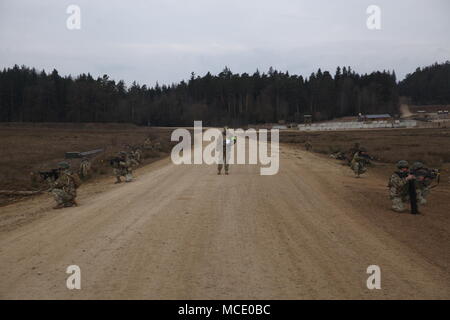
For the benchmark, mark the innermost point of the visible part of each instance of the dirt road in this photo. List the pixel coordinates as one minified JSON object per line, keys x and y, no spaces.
{"x":183,"y":232}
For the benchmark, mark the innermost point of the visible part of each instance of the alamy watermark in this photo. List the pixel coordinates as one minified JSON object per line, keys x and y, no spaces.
{"x":224,"y":147}
{"x":73,"y":22}
{"x":373,"y":22}
{"x":74,"y":280}
{"x":374,"y":280}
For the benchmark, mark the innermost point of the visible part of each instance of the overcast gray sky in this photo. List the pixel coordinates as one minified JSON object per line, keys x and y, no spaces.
{"x":166,"y":40}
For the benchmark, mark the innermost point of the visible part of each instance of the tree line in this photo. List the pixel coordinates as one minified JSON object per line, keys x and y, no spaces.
{"x":429,"y":85}
{"x":28,"y":95}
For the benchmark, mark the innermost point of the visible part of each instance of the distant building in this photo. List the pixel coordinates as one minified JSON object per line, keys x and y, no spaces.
{"x":443,"y":114}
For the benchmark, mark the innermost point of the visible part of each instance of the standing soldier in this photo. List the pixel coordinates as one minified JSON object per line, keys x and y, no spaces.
{"x":224,"y":151}
{"x":85,"y":168}
{"x":64,"y":187}
{"x":359,"y":161}
{"x":398,"y":186}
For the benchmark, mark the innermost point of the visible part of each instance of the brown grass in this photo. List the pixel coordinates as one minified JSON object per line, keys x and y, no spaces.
{"x":27,"y":148}
{"x":430,"y":146}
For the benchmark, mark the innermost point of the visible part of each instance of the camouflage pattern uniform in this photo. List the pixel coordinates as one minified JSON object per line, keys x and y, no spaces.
{"x":64,"y":188}
{"x":123,"y":168}
{"x":338,"y":155}
{"x":85,"y":168}
{"x":137,"y":155}
{"x":422,"y":186}
{"x":352,"y":151}
{"x":358,"y":164}
{"x":398,"y":188}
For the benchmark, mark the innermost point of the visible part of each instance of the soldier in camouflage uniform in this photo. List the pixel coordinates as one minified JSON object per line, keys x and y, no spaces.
{"x":137,"y":154}
{"x":422,"y":182}
{"x":352,"y":151}
{"x":398,"y":186}
{"x":359,"y":162}
{"x":224,"y":152}
{"x":64,"y":188}
{"x":85,"y":168}
{"x":122,"y":167}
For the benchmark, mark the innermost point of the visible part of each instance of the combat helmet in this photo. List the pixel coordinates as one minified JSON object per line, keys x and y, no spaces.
{"x":417,"y":165}
{"x":402,"y":164}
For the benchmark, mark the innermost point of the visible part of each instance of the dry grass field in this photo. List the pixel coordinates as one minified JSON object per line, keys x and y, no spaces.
{"x":431,"y":146}
{"x":28,"y":148}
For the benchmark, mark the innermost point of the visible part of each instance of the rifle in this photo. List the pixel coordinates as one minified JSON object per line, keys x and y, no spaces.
{"x":53,"y":174}
{"x":367,"y":157}
{"x":428,"y":174}
{"x":413,"y":196}
{"x":115,"y":162}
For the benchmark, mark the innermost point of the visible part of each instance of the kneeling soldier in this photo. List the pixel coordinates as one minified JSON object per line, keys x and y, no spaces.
{"x":64,"y":187}
{"x":424,"y":177}
{"x":122,"y":167}
{"x":359,"y":161}
{"x":398,"y":186}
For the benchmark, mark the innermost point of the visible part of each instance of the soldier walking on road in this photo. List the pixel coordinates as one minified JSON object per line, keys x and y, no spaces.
{"x":224,"y":151}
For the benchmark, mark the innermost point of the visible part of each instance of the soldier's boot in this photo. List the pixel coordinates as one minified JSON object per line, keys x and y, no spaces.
{"x":129,"y":177}
{"x":420,"y":198}
{"x":118,"y":180}
{"x":398,"y":205}
{"x":219,"y":169}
